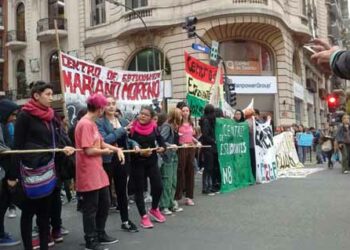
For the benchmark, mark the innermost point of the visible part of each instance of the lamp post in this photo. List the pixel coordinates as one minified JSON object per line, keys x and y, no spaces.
{"x":143,"y":22}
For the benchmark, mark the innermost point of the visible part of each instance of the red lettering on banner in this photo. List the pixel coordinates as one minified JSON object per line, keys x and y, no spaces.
{"x":67,"y":79}
{"x":77,"y":83}
{"x":67,"y":61}
{"x":99,"y":86}
{"x":86,"y":84}
{"x":111,"y":75}
{"x":155,"y":88}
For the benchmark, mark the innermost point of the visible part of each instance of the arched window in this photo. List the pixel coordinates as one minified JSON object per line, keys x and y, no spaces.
{"x":100,"y":61}
{"x":247,"y":58}
{"x":55,"y":72}
{"x":149,"y":60}
{"x":21,"y":79}
{"x":20,"y":23}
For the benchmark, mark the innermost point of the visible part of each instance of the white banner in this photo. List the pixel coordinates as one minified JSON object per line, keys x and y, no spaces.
{"x":131,"y":89}
{"x":255,"y":84}
{"x":265,"y":153}
{"x":286,"y":154}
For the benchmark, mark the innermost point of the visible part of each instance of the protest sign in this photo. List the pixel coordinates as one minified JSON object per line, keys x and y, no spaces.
{"x":131,"y":89}
{"x":232,"y":141}
{"x":265,"y":153}
{"x":200,"y":79}
{"x":286,"y":154}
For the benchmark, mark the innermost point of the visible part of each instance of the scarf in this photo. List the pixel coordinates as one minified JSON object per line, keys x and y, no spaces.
{"x":143,"y":129}
{"x":35,"y":109}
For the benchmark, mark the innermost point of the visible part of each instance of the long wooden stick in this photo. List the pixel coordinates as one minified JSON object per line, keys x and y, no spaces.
{"x":51,"y":150}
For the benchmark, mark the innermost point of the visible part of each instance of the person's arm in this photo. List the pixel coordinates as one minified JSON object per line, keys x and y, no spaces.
{"x":340,"y":63}
{"x":165,"y":132}
{"x":161,"y":142}
{"x":3,"y":146}
{"x":114,"y":149}
{"x":110,"y":137}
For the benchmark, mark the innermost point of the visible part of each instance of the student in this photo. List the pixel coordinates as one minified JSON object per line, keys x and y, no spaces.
{"x":91,"y":180}
{"x":185,"y":171}
{"x":34,"y":129}
{"x":168,"y":169}
{"x":144,"y":132}
{"x":113,"y":131}
{"x":8,"y":113}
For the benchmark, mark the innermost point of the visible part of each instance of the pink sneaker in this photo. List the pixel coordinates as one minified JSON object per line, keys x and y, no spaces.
{"x":35,"y":243}
{"x":189,"y":202}
{"x":145,"y":222}
{"x":156,"y":215}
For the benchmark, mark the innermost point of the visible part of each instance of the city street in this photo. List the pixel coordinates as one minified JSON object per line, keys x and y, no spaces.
{"x":299,"y":213}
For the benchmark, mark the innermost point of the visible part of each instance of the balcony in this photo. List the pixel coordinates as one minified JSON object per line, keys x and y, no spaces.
{"x":16,"y":39}
{"x":46,"y":29}
{"x":145,"y":12}
{"x":250,"y":2}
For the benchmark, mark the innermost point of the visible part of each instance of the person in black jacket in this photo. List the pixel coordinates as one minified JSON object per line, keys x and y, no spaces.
{"x":144,"y":131}
{"x":8,"y":112}
{"x":34,"y":129}
{"x":207,"y":124}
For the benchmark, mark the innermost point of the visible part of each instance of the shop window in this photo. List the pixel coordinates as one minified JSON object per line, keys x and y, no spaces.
{"x":20,"y":22}
{"x":98,"y":13}
{"x":100,"y":61}
{"x":146,"y":61}
{"x":133,"y":4}
{"x":247,"y":58}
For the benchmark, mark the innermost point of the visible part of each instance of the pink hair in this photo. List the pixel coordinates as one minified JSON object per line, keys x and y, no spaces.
{"x":97,"y":100}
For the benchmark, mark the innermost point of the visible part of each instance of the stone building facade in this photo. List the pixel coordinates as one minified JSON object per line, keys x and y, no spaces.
{"x":265,"y":36}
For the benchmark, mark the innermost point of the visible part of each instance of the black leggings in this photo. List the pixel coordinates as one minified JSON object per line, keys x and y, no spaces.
{"x":4,"y":204}
{"x":41,"y":208}
{"x":119,"y":174}
{"x":146,"y":168}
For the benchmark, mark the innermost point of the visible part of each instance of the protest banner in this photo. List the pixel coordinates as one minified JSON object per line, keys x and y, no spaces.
{"x":232,"y":141}
{"x":265,"y":153}
{"x":131,"y":89}
{"x":286,"y":154}
{"x":305,"y":139}
{"x":200,"y":79}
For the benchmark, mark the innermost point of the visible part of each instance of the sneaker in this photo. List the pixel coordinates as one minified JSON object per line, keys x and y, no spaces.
{"x":94,"y":245}
{"x":12,"y":213}
{"x":346,"y":172}
{"x":176,"y":209}
{"x":156,"y":215}
{"x":57,"y":236}
{"x":35,"y":232}
{"x":145,"y":222}
{"x":36,"y":243}
{"x":189,"y":202}
{"x":209,"y":193}
{"x":51,"y":241}
{"x":104,"y":239}
{"x":129,"y":227}
{"x":8,"y":241}
{"x":166,"y":211}
{"x":64,"y":231}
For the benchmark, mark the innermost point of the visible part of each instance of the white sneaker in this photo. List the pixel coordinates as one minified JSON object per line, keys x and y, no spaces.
{"x":346,"y":172}
{"x":176,"y":207}
{"x":166,"y":211}
{"x":12,"y":213}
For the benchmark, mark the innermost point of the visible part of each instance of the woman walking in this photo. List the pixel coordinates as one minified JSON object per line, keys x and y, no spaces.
{"x":34,"y":129}
{"x":343,"y":143}
{"x":185,"y":171}
{"x":144,"y":132}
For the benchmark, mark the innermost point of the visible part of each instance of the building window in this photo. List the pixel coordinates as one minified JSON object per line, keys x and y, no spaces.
{"x":21,"y":78}
{"x":133,"y":4}
{"x":100,"y":61}
{"x":98,"y":13}
{"x":55,"y":72}
{"x":56,"y":8}
{"x":20,"y":22}
{"x":296,"y":64}
{"x":247,"y":58}
{"x":145,"y":60}
{"x":1,"y":16}
{"x":298,"y":110}
{"x":304,"y":7}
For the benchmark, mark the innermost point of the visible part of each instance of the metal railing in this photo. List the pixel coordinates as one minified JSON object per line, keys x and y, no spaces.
{"x":17,"y":94}
{"x":251,"y":1}
{"x":142,"y":13}
{"x":16,"y":35}
{"x":49,"y":24}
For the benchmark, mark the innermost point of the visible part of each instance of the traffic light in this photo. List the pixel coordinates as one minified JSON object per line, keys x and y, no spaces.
{"x":190,"y":26}
{"x":230,"y":92}
{"x":332,"y":102}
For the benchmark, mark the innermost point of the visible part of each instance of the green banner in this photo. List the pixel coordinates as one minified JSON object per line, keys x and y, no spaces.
{"x":232,"y":141}
{"x":196,"y":105}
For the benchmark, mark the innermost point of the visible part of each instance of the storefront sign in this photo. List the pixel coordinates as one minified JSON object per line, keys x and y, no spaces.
{"x":298,"y":91}
{"x":243,"y":67}
{"x":255,"y":84}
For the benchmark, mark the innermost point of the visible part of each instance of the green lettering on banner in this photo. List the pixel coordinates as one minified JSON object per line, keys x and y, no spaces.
{"x":232,"y":141}
{"x":196,"y":105}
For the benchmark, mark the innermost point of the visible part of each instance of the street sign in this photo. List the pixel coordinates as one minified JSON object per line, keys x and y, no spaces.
{"x":200,"y":48}
{"x":214,"y":51}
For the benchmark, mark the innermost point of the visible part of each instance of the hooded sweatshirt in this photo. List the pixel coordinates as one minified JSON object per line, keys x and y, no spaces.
{"x":7,"y":107}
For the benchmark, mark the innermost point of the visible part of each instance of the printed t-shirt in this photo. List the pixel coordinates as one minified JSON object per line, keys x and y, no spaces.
{"x":90,"y":174}
{"x":185,"y":133}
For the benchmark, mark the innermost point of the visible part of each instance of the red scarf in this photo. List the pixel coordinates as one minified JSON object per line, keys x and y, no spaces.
{"x":143,"y":129}
{"x":35,"y":109}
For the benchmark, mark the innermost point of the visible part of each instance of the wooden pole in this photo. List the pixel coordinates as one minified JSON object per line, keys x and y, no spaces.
{"x":64,"y":108}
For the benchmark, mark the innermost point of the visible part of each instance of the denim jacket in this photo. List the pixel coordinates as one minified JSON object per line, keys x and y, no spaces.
{"x":114,"y":136}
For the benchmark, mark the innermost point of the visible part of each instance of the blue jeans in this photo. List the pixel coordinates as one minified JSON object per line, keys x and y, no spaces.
{"x":302,"y":153}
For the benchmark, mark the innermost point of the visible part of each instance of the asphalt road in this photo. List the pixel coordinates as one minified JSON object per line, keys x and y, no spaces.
{"x":306,"y":213}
